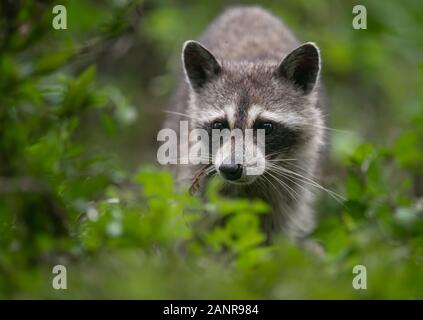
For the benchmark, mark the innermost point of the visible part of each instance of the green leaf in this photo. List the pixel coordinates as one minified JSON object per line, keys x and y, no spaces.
{"x":78,"y":92}
{"x":53,"y":61}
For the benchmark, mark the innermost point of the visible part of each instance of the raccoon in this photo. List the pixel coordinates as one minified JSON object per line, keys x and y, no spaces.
{"x":248,"y":71}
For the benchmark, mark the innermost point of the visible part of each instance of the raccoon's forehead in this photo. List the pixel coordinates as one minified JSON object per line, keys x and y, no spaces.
{"x":248,"y":86}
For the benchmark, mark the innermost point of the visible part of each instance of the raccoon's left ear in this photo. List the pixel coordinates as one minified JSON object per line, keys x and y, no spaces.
{"x":199,"y":64}
{"x":301,"y":67}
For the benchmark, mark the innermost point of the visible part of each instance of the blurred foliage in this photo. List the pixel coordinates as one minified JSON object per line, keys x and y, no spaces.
{"x":79,"y":111}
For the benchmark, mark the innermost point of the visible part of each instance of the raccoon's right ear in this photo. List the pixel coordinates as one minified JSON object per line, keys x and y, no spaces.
{"x":199,"y":64}
{"x":301,"y":67}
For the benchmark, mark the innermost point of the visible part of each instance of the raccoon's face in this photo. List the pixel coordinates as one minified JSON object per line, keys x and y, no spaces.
{"x":275,"y":101}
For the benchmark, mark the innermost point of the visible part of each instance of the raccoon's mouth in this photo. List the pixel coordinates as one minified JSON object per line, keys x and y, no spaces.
{"x":243,"y":180}
{"x":240,"y":182}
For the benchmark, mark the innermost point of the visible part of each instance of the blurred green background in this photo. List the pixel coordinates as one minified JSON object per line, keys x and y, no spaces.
{"x":79,"y":184}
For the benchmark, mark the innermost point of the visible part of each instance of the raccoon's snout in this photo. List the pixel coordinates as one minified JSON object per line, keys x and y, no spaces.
{"x":231,"y":171}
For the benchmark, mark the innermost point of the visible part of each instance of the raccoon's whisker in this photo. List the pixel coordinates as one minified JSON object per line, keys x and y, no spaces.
{"x":261,"y":183}
{"x":290,"y":191}
{"x":272,"y":185}
{"x":294,"y":194}
{"x":278,"y":191}
{"x":270,"y":155}
{"x":210,"y":170}
{"x":294,"y":165}
{"x":327,"y":128}
{"x":335,"y":196}
{"x":290,"y":178}
{"x":275,"y":154}
{"x":281,"y":169}
{"x":205,"y":157}
{"x":311,"y":182}
{"x":180,"y":114}
{"x":286,"y":176}
{"x":286,"y":171}
{"x":279,"y":159}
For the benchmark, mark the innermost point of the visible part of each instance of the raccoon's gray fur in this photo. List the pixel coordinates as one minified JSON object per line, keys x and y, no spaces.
{"x":247,"y":64}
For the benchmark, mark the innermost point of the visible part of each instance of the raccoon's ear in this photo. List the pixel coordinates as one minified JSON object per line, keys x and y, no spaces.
{"x":301,"y":67}
{"x":199,"y":64}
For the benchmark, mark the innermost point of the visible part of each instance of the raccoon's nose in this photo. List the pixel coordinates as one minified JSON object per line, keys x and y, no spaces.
{"x":231,"y":171}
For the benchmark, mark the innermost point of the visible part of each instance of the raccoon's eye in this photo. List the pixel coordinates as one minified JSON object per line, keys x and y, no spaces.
{"x":220,"y":125}
{"x":266,"y":126}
